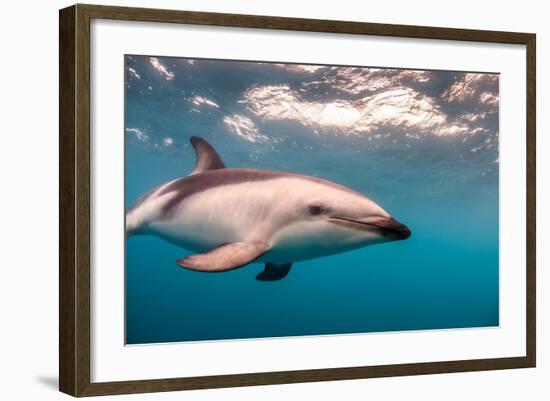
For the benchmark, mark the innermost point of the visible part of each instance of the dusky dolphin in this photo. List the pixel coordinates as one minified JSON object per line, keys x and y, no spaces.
{"x":232,"y":217}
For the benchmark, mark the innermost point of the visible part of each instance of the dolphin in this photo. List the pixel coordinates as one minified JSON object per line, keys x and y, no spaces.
{"x":232,"y":217}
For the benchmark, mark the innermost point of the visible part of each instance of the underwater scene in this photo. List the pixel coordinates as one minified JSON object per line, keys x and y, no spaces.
{"x":385,"y":182}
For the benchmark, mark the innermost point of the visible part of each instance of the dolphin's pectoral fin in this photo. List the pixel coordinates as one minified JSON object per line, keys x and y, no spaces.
{"x":224,"y":257}
{"x":207,"y":157}
{"x":273,"y":272}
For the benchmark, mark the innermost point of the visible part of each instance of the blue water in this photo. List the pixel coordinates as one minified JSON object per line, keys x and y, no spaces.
{"x":445,"y":188}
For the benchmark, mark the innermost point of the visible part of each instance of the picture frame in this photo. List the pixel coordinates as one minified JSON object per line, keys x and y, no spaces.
{"x":76,"y":200}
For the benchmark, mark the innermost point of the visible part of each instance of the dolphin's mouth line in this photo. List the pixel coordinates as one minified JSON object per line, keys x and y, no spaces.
{"x":386,"y":226}
{"x":352,"y":222}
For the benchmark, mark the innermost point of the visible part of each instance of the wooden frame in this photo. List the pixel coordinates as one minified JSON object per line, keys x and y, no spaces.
{"x":74,"y":199}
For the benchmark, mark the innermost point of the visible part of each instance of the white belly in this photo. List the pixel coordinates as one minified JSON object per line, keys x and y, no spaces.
{"x":216,"y":216}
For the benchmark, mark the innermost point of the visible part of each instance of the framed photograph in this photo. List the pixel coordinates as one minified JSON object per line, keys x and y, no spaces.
{"x":250,"y":200}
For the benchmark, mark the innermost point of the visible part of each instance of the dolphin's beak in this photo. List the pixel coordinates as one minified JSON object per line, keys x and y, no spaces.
{"x":386,"y":226}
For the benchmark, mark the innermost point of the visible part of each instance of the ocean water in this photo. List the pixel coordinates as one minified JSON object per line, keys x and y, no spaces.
{"x":426,"y":158}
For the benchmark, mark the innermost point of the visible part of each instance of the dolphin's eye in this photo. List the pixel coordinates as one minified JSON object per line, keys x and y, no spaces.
{"x":315,"y":210}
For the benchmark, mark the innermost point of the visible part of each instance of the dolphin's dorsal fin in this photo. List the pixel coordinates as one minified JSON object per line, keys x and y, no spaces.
{"x":207,"y":157}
